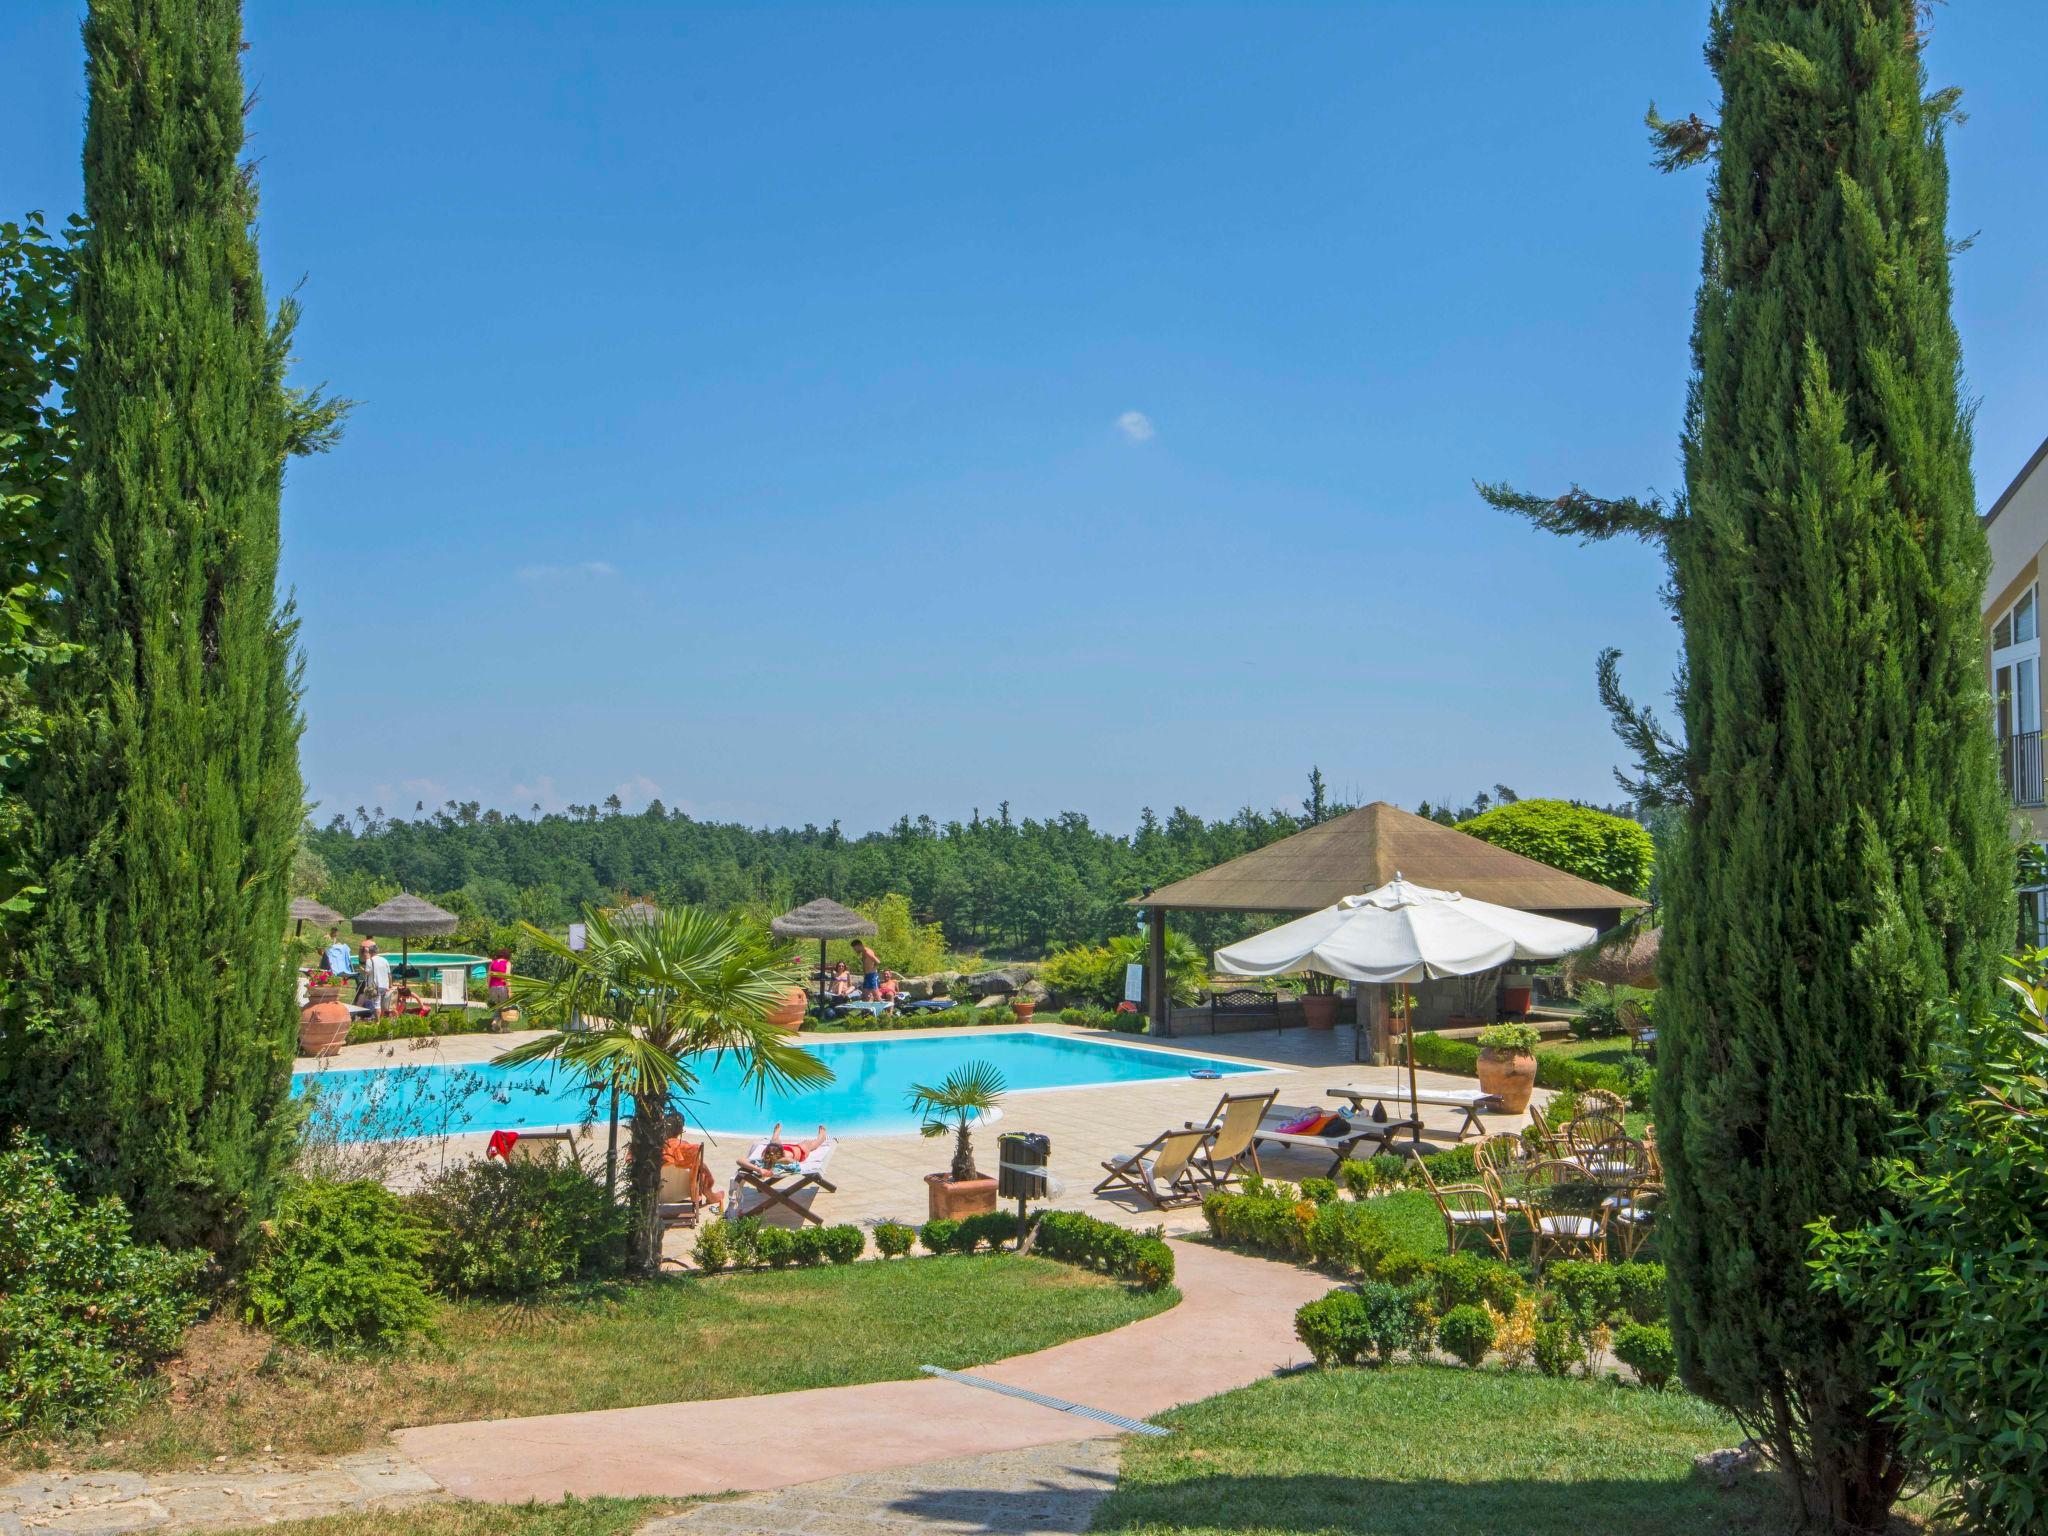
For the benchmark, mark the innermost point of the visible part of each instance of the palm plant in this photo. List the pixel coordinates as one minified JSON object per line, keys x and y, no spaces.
{"x":967,"y":1093}
{"x":653,"y":995}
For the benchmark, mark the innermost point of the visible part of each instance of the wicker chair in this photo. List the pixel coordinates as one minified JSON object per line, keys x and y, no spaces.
{"x":1470,"y":1208}
{"x":1589,"y":1130}
{"x":1632,"y":1214}
{"x":1642,"y":1034}
{"x":1620,"y":1160}
{"x":1549,"y":1139}
{"x":1600,"y":1101}
{"x":1554,"y":1200}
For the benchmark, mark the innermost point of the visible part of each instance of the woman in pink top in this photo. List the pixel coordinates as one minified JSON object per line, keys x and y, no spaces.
{"x":498,"y":978}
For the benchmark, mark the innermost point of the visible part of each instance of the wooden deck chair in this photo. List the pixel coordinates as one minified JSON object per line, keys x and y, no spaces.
{"x":687,"y":1190}
{"x":1469,"y":1208}
{"x":758,"y":1188}
{"x":1161,"y":1172}
{"x":1233,"y":1148}
{"x":1552,"y":1196}
{"x":542,"y":1147}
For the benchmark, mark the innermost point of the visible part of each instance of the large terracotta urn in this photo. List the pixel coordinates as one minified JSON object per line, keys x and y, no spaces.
{"x":1509,"y":1076}
{"x":323,"y":1027}
{"x":789,"y":1013}
{"x":1023,"y":1007}
{"x":948,"y":1199}
{"x":1319,"y":1009}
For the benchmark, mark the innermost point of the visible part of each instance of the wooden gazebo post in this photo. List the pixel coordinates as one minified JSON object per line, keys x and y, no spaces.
{"x":1157,"y":993}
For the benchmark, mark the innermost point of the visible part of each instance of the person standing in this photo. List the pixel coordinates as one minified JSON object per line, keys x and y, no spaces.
{"x":870,"y":969}
{"x":374,"y":991}
{"x":498,"y":985}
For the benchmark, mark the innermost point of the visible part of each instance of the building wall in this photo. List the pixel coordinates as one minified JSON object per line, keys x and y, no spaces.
{"x":2016,"y":527}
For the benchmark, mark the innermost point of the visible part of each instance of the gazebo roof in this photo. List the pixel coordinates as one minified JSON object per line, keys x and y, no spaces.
{"x":823,"y":918}
{"x":1363,"y":850}
{"x":404,"y":916}
{"x":304,"y":909}
{"x":1630,"y":961}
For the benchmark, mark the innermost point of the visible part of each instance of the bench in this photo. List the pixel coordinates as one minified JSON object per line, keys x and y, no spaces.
{"x":1243,"y":1003}
{"x":1470,"y":1100}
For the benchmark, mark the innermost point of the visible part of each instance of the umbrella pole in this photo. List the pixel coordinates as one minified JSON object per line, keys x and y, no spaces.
{"x":1408,"y":1031}
{"x":821,"y":978}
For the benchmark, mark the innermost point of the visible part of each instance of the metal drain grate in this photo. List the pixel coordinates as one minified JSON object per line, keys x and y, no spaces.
{"x":1100,"y":1415}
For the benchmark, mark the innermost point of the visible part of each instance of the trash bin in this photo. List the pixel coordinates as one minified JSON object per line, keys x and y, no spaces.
{"x":1022,"y":1156}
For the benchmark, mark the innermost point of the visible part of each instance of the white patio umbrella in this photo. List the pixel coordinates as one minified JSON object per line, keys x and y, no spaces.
{"x":1404,"y":933}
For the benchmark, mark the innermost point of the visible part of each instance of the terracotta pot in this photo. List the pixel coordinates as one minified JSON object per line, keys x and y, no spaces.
{"x":330,"y":993}
{"x":949,"y":1201}
{"x":1509,"y":1076}
{"x":1023,"y":1007}
{"x":1514,"y":999}
{"x":789,"y":1013}
{"x":1319,"y":1009}
{"x":322,"y":1027}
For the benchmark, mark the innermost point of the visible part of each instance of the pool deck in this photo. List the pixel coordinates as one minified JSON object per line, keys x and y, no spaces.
{"x":881,"y":1177}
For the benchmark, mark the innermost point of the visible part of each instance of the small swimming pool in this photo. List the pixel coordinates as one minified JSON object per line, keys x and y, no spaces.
{"x":868,"y":1096}
{"x":428,"y":962}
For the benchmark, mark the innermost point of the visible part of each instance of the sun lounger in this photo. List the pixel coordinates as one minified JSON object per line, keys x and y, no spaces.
{"x":925,"y":1005}
{"x":541,"y":1146}
{"x":1340,"y":1147}
{"x":1235,"y":1122}
{"x":757,"y":1188}
{"x":1162,"y":1172}
{"x":1470,"y":1100}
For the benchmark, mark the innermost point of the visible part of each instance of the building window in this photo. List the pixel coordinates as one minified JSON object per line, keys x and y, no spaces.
{"x":2034,"y":917}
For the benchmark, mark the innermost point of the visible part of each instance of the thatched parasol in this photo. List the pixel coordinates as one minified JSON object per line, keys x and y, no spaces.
{"x":637,"y":912}
{"x":304,"y":910}
{"x":405,"y":918}
{"x":1629,"y":960}
{"x":822,"y":919}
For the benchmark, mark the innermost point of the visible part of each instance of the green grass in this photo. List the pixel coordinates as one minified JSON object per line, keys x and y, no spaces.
{"x":235,"y":1393}
{"x":1608,"y":1051}
{"x":1428,"y":1450}
{"x":576,"y":1517}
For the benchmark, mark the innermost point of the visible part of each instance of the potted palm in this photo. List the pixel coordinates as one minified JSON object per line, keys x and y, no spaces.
{"x":1507,"y":1064}
{"x":968,"y":1093}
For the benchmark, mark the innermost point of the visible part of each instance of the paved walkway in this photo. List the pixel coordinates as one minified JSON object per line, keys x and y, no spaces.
{"x":1234,"y":1326}
{"x":105,"y":1503}
{"x":1047,"y":1489}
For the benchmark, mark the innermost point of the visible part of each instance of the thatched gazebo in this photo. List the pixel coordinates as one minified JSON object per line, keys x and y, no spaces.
{"x":822,"y":919}
{"x":304,"y":910}
{"x":637,"y":912}
{"x":405,"y":918}
{"x":1630,"y":960}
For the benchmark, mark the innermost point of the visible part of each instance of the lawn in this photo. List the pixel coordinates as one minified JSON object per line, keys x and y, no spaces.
{"x":1422,"y":1450}
{"x":234,"y":1393}
{"x":577,"y":1517}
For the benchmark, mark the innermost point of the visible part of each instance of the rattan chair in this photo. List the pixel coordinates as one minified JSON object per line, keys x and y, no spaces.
{"x":1632,"y":1215}
{"x":1620,"y":1160}
{"x":1469,"y":1208}
{"x":1557,"y":1200}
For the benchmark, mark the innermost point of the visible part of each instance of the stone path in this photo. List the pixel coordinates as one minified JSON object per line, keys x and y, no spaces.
{"x":118,"y":1503}
{"x":1234,"y":1326}
{"x":1047,"y":1489}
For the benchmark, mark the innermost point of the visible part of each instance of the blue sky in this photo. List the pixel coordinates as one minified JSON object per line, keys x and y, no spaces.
{"x":808,"y":414}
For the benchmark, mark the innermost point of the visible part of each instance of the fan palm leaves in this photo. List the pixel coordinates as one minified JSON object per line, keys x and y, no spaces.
{"x":969,"y":1092}
{"x":654,"y":998}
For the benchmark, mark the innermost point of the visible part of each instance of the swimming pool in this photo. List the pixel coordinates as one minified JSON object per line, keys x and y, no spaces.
{"x":428,"y":962}
{"x":868,"y":1096}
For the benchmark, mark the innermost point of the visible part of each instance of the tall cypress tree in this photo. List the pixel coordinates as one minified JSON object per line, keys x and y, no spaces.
{"x":152,"y":1030}
{"x":1845,"y":870}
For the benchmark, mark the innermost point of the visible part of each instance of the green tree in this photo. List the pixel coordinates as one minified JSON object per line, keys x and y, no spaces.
{"x":970,"y":1092}
{"x":1613,"y":851}
{"x":1843,"y":876}
{"x":151,"y":1027}
{"x":652,"y":997}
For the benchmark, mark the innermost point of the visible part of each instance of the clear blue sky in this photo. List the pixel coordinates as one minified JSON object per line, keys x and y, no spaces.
{"x":744,"y":390}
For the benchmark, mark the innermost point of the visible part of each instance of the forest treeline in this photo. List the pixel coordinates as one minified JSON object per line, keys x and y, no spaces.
{"x":994,"y":882}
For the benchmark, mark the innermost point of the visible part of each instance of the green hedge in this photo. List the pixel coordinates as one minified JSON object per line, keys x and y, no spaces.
{"x":1125,"y":1023}
{"x":1141,"y":1258}
{"x":929,"y":1018}
{"x":749,"y":1244}
{"x":1553,"y":1070}
{"x":411,"y":1026}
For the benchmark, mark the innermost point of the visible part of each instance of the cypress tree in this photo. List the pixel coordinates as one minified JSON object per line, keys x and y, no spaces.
{"x":152,"y":1030}
{"x":1843,"y":877}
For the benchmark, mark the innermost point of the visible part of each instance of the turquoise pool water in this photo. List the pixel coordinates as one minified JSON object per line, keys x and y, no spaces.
{"x":429,"y":961}
{"x":869,"y":1093}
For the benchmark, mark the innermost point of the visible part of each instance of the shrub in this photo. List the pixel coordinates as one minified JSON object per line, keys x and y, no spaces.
{"x":1642,"y":1292}
{"x":1466,"y":1279}
{"x":1555,"y":1347}
{"x":1124,"y":1021}
{"x":845,"y":1243}
{"x":1319,"y":1191}
{"x":513,"y":1229}
{"x":1645,"y":1348}
{"x":1608,"y":850}
{"x":1362,"y":1326}
{"x":1467,"y":1332}
{"x":893,"y":1239}
{"x":1437,"y":1054}
{"x":714,"y":1246}
{"x":937,"y":1234}
{"x":84,"y":1309}
{"x":340,"y":1264}
{"x":1508,"y":1037}
{"x":1514,"y":1331}
{"x":775,"y":1246}
{"x":1141,"y":1258}
{"x":1260,"y":1222}
{"x":1593,"y":1295}
{"x":993,"y":1228}
{"x":743,"y":1240}
{"x":807,"y":1246}
{"x":1095,"y":973}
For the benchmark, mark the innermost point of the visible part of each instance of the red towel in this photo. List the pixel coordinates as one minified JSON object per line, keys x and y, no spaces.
{"x":1310,"y":1124}
{"x":501,"y":1144}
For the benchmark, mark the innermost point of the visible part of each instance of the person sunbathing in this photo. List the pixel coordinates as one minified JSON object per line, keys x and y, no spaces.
{"x":776,"y":1152}
{"x":841,"y":981}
